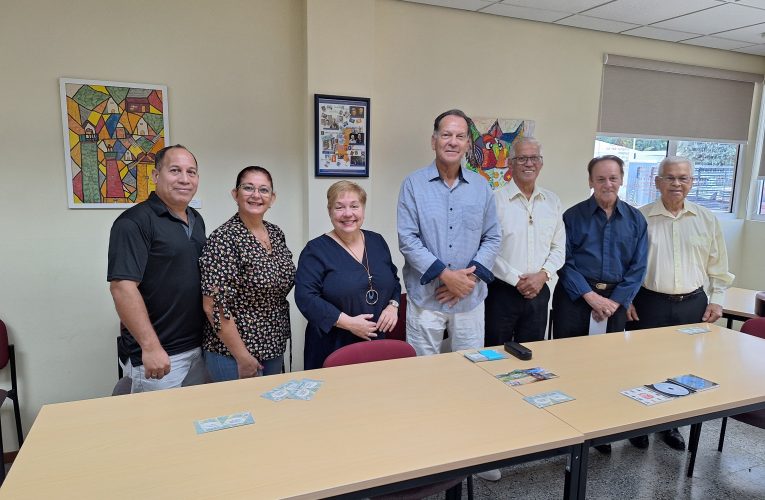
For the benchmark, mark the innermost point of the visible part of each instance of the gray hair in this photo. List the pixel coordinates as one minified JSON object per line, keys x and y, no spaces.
{"x":525,"y":140}
{"x":674,"y":160}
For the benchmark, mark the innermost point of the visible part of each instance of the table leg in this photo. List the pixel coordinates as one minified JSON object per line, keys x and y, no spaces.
{"x":693,"y":447}
{"x":576,"y":471}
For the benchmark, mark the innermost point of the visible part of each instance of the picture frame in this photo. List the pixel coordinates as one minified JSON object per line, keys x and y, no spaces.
{"x":341,"y":136}
{"x":111,"y":131}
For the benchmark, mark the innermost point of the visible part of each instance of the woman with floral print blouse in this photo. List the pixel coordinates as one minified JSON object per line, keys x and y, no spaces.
{"x":247,"y":272}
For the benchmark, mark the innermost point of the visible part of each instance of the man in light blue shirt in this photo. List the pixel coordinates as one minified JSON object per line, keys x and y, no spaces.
{"x":449,"y":236}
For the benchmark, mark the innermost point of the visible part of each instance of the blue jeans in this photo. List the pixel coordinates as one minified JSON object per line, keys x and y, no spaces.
{"x":222,"y":367}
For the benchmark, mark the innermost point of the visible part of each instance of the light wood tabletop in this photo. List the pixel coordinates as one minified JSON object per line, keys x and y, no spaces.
{"x":594,"y":370}
{"x":369,"y":425}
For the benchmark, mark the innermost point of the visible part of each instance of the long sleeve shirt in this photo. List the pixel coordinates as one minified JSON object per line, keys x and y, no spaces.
{"x":446,"y":227}
{"x":606,"y":250}
{"x":533,"y":235}
{"x":686,"y":251}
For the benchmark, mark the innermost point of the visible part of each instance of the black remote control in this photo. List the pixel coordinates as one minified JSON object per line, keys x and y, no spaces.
{"x":518,"y":350}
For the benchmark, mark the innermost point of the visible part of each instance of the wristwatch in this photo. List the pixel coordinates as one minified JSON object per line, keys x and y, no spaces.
{"x":393,"y":303}
{"x":549,"y":276}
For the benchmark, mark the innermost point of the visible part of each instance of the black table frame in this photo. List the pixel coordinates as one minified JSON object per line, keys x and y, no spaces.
{"x":693,"y":442}
{"x":571,"y":486}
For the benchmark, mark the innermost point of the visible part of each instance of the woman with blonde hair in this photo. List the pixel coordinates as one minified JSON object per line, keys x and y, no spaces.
{"x":346,"y":284}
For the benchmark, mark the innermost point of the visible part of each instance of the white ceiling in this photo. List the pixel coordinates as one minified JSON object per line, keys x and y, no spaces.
{"x":735,"y":25}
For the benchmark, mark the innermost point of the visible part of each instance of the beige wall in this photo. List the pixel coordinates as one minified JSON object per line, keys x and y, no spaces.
{"x":235,"y":72}
{"x":241,"y":78}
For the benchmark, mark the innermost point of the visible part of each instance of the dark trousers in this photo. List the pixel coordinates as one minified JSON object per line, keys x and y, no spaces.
{"x":509,"y":316}
{"x":656,"y":310}
{"x":571,"y":318}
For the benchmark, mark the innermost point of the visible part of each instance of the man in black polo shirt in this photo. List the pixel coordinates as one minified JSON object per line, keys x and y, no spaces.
{"x":153,"y":272}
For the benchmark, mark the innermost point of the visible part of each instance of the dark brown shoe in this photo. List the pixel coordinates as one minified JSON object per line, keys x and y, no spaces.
{"x":640,"y":442}
{"x":674,"y":439}
{"x":603,"y":448}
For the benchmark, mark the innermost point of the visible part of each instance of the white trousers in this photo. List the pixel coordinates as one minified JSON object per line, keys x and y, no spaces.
{"x":425,"y":329}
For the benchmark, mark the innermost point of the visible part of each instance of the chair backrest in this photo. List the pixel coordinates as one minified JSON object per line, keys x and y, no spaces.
{"x":399,"y":332}
{"x":4,"y":351}
{"x":366,"y":352}
{"x":754,"y":326}
{"x":123,"y":386}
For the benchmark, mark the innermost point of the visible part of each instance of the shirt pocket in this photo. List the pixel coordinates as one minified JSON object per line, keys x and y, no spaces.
{"x":699,"y":242}
{"x":472,"y":218}
{"x":546,"y":228}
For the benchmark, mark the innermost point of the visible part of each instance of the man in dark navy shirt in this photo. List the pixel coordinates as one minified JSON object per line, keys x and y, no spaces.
{"x":153,"y":270}
{"x":606,"y":251}
{"x":606,"y":255}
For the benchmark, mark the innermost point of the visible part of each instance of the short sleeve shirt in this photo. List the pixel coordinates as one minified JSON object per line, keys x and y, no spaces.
{"x":148,"y":244}
{"x":249,"y":284}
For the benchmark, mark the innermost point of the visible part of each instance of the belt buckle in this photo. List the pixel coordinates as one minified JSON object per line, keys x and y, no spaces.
{"x":601,"y":286}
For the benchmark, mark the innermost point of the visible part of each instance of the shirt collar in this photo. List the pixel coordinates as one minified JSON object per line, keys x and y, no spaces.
{"x":159,"y":207}
{"x":435,"y":175}
{"x":514,"y":190}
{"x":657,"y":208}
{"x":593,"y":206}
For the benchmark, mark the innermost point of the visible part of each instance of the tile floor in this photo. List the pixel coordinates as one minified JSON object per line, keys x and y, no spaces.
{"x":657,"y":473}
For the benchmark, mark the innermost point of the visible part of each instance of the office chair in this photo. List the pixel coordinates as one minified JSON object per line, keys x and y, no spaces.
{"x":8,"y":356}
{"x":380,"y":350}
{"x":755,"y":327}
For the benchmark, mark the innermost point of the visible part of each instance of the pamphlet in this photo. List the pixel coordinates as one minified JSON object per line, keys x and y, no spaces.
{"x":525,"y":376}
{"x":485,"y":355}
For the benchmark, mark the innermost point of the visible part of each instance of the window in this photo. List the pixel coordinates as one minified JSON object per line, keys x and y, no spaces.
{"x":715,"y":168}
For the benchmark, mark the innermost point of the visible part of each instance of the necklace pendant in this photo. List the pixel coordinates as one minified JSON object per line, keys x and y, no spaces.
{"x":371,"y":296}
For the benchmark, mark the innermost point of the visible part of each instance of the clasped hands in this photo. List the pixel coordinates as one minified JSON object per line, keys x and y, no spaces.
{"x":602,"y":307}
{"x":363,"y":327}
{"x":457,"y":284}
{"x":530,"y":284}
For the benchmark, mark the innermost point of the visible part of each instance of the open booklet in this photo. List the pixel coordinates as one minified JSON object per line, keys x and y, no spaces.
{"x":525,"y":376}
{"x":674,"y":387}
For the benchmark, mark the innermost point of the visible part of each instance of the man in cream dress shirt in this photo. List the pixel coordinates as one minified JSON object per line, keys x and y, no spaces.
{"x":533,"y":248}
{"x":686,"y":253}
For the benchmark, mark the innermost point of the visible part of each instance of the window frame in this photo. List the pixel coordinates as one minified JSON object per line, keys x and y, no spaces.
{"x":672,"y":143}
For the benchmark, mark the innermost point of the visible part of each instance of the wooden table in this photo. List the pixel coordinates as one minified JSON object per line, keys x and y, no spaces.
{"x":371,"y":429}
{"x":595,"y":369}
{"x":739,"y":305}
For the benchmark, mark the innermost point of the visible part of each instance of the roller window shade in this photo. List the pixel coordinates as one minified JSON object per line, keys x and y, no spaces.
{"x":640,"y":97}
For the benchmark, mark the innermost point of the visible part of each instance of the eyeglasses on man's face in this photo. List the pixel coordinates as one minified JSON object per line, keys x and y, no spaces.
{"x":250,"y":189}
{"x":528,"y":159}
{"x":671,"y":179}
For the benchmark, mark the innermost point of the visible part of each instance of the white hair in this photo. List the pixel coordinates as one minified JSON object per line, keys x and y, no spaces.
{"x":674,"y":160}
{"x":525,"y":140}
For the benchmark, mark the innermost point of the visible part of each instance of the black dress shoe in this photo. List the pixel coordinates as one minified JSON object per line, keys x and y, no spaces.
{"x":603,"y":448}
{"x":674,"y":439}
{"x":640,"y":442}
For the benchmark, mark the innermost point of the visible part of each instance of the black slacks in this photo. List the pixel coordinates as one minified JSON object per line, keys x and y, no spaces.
{"x":510,"y":316}
{"x":571,"y":318}
{"x":657,"y":310}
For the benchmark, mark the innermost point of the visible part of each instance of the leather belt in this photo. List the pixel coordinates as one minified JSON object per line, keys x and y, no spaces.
{"x":601,"y":286}
{"x":679,"y":297}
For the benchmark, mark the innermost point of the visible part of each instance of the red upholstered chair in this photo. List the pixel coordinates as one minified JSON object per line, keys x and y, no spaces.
{"x":380,"y":350}
{"x":8,"y":357}
{"x":399,"y":332}
{"x":366,"y":352}
{"x":755,"y":327}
